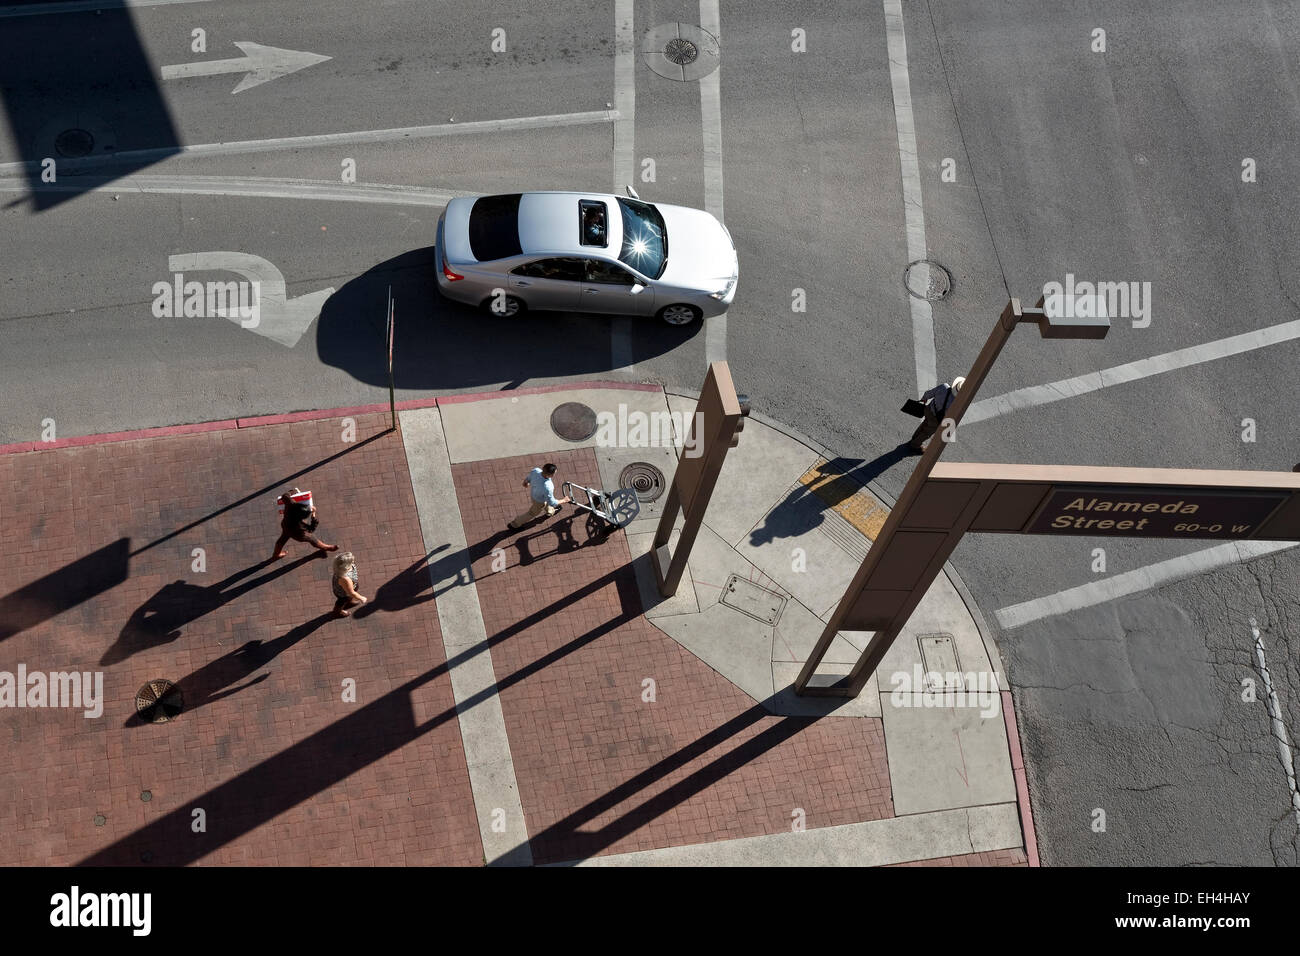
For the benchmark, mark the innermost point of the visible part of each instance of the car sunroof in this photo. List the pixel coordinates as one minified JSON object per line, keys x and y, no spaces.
{"x":593,"y":225}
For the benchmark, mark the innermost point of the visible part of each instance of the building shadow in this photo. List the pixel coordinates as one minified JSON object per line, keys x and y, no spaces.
{"x":447,"y":345}
{"x":409,"y":587}
{"x":221,"y":678}
{"x":803,"y":509}
{"x":79,"y":89}
{"x":158,"y":621}
{"x":65,"y":588}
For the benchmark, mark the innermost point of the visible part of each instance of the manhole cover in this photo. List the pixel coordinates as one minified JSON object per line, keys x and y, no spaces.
{"x":749,"y":598}
{"x":643,"y":478}
{"x":573,"y":421}
{"x":158,"y":701}
{"x":146,"y":795}
{"x":74,"y":143}
{"x":927,"y":279}
{"x":681,"y":51}
{"x":100,"y":819}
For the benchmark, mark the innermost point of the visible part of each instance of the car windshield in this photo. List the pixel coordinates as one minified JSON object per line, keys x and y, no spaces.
{"x":645,"y":241}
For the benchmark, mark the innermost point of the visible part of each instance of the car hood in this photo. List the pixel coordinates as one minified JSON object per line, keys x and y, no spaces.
{"x":700,"y":252}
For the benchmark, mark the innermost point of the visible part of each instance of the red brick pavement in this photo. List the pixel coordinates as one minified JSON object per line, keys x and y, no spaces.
{"x":1012,"y":857}
{"x":284,"y":770}
{"x":598,"y":769}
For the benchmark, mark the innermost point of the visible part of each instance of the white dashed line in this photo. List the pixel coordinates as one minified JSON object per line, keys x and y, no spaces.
{"x":263,"y":188}
{"x":1137,"y":581}
{"x":510,"y":125}
{"x":922,"y":317}
{"x":82,"y":6}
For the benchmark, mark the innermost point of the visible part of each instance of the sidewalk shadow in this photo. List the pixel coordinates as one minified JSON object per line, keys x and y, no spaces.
{"x":597,"y":533}
{"x":443,"y":344}
{"x":406,"y":589}
{"x":278,"y":485}
{"x":158,"y":621}
{"x":60,"y":590}
{"x":803,"y":509}
{"x":364,"y":736}
{"x":213,"y":681}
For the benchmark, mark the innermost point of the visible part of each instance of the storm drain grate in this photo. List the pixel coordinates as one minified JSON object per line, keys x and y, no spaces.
{"x":74,"y":143}
{"x":158,"y":701}
{"x":681,"y":51}
{"x":643,"y":478}
{"x":573,"y":421}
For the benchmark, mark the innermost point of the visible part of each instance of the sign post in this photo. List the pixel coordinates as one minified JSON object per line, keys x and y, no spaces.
{"x":392,"y":322}
{"x":941,"y":502}
{"x":716,"y":425}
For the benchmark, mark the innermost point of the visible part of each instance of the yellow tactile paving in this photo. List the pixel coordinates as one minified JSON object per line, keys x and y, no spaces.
{"x":846,"y":497}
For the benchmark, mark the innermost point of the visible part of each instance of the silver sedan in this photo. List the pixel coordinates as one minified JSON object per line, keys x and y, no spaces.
{"x":585,"y":252}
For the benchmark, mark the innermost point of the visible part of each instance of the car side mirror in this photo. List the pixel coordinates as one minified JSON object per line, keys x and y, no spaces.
{"x":637,"y":289}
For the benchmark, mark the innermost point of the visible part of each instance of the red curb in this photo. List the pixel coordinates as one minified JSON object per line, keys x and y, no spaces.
{"x":308,"y":416}
{"x":81,"y":440}
{"x":1022,"y":783}
{"x":539,"y":389}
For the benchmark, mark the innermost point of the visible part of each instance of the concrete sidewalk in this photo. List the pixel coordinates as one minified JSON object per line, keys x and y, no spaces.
{"x":786,"y":530}
{"x":597,"y":721}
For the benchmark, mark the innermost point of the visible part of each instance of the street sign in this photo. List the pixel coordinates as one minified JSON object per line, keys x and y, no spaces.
{"x":1143,"y":513}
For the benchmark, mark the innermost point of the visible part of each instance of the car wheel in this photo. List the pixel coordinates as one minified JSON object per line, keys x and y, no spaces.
{"x":680,"y":314}
{"x":510,"y":306}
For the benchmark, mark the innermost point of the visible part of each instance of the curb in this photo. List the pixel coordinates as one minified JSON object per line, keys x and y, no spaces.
{"x":167,"y":431}
{"x":972,"y":608}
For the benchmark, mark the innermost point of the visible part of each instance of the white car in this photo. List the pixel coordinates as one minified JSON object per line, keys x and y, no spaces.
{"x":585,"y":252}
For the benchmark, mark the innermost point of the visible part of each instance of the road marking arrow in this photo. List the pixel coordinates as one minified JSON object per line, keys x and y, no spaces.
{"x":261,"y":63}
{"x":280,"y":318}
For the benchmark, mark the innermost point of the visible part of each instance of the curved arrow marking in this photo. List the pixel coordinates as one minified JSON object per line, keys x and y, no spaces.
{"x":261,"y":63}
{"x":279,"y":318}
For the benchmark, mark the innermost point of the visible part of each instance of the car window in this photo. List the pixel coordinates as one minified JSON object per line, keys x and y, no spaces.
{"x":645,"y":240}
{"x":494,"y":227}
{"x":566,"y":268}
{"x":593,"y":228}
{"x":608,"y":273}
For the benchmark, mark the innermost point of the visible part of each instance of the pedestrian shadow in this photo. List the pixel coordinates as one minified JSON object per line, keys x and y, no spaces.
{"x":159,"y":620}
{"x":803,"y":508}
{"x":61,"y":590}
{"x":407,"y":588}
{"x":213,"y":681}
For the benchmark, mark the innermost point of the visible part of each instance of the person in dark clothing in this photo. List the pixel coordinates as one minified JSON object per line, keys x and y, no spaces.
{"x":937,"y":402}
{"x":298,"y":523}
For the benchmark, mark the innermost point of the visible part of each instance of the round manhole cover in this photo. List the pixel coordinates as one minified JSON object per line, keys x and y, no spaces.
{"x":681,"y":51}
{"x":643,"y":478}
{"x":100,"y":819}
{"x":158,"y":701}
{"x":927,"y":279}
{"x":573,"y":421}
{"x":74,"y":143}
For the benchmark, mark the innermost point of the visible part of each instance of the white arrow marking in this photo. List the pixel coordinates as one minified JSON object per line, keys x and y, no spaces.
{"x":281,"y":319}
{"x":261,"y":63}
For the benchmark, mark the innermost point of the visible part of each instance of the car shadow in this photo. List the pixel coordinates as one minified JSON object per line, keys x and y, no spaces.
{"x":446,"y":345}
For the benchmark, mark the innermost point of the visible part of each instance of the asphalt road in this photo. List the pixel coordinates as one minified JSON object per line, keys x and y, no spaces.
{"x":1123,"y":165}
